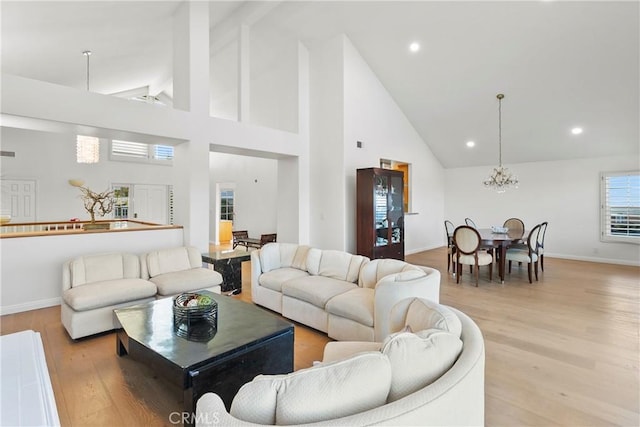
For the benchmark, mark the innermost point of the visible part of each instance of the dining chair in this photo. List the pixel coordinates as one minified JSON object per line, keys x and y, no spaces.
{"x":541,"y":234}
{"x":451,"y":249}
{"x":470,"y":223}
{"x":467,"y":241}
{"x":514,"y":224}
{"x":517,"y":225}
{"x":487,"y":248}
{"x":239,"y":234}
{"x":530,"y":255}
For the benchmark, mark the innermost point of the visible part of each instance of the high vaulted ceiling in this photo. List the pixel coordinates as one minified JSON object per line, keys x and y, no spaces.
{"x":560,"y":64}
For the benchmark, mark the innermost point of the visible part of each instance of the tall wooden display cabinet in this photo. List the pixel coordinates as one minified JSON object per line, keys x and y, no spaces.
{"x":380,"y":213}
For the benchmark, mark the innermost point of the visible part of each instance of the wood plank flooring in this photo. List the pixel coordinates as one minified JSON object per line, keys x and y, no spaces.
{"x":561,"y":351}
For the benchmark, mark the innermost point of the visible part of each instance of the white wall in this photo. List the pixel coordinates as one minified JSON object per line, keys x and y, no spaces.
{"x":256,"y":191}
{"x":224,"y":82}
{"x":372,"y":117}
{"x":564,"y":193}
{"x":327,"y":199}
{"x":274,"y":78}
{"x":31,"y":271}
{"x":50,"y":159}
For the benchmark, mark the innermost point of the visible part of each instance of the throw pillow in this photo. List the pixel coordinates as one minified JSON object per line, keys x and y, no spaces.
{"x":419,"y":359}
{"x":323,"y":392}
{"x":424,"y":314}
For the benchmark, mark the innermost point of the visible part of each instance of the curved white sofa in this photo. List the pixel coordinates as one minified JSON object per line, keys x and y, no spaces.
{"x":307,"y":397}
{"x":347,"y":296}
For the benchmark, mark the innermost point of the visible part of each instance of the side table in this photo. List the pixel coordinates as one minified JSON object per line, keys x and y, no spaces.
{"x":229,"y":264}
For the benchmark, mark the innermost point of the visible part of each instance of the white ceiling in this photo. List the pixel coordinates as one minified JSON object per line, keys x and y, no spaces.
{"x":560,"y":64}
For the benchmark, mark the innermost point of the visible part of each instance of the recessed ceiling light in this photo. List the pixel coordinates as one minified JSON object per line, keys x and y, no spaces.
{"x":414,"y":47}
{"x":471,"y":144}
{"x":576,"y":131}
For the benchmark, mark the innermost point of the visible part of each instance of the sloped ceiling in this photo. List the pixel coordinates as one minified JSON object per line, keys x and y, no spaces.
{"x":560,"y":64}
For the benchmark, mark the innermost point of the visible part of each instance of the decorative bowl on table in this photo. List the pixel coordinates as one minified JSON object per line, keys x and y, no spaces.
{"x":499,"y":230}
{"x":195,"y":316}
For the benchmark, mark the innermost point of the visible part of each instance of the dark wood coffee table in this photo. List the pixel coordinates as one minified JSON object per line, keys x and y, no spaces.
{"x":249,"y":341}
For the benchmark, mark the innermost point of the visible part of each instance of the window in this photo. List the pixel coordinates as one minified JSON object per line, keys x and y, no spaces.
{"x":121,"y":201}
{"x":620,"y":206}
{"x":141,"y":152}
{"x":226,"y":205}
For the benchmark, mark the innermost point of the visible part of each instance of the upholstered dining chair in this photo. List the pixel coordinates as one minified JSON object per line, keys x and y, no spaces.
{"x":467,"y":241}
{"x":516,"y":225}
{"x":530,"y":255}
{"x":488,"y":248}
{"x":541,"y":234}
{"x":451,"y":249}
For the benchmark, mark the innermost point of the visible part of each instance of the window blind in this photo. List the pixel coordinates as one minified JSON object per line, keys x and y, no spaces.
{"x":137,"y":150}
{"x":620,"y":207}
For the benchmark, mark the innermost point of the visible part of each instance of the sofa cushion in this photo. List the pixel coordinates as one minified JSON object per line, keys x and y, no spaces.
{"x":106,"y":293}
{"x":186,"y":280}
{"x":356,"y":304}
{"x":424,"y":314}
{"x":170,"y":260}
{"x":316,"y":290}
{"x":283,"y":255}
{"x":418,"y":359}
{"x":323,"y":392}
{"x":275,"y":278}
{"x":100,"y":267}
{"x":334,"y":264}
{"x":373,"y":271}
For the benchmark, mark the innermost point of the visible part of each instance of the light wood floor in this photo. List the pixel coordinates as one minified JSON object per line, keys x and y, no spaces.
{"x":561,"y":351}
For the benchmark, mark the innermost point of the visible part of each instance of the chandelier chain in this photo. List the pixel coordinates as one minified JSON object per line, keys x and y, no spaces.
{"x":500,"y":129}
{"x":501,"y":178}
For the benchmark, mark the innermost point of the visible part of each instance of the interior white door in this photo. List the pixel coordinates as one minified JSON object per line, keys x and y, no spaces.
{"x":19,"y":199}
{"x":150,"y":203}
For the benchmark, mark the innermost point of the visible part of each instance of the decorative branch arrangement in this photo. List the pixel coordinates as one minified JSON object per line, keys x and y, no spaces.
{"x":94,"y":203}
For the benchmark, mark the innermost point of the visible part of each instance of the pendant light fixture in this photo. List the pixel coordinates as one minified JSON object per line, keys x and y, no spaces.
{"x":501,"y":178}
{"x":87,"y":53}
{"x":87,"y":147}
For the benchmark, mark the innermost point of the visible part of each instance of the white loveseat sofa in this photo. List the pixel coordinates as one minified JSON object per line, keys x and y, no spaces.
{"x":346,"y":296}
{"x":176,"y":270}
{"x":432,"y":377}
{"x":95,"y":285}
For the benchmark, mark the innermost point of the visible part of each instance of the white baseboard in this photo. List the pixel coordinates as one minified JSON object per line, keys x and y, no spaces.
{"x":415,"y":251}
{"x":595,"y":259}
{"x":31,"y":305}
{"x":561,"y":256}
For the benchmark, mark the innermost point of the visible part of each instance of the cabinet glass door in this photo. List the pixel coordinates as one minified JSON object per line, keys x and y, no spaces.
{"x":380,"y":195}
{"x":395,"y":213}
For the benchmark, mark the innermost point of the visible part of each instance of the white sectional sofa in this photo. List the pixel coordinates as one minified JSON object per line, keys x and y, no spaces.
{"x":434,"y":377}
{"x":95,"y":285}
{"x":346,"y":296}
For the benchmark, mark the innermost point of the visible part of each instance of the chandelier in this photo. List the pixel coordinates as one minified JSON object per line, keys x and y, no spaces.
{"x":501,"y":178}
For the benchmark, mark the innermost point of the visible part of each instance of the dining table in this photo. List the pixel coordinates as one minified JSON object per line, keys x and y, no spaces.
{"x":501,"y":241}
